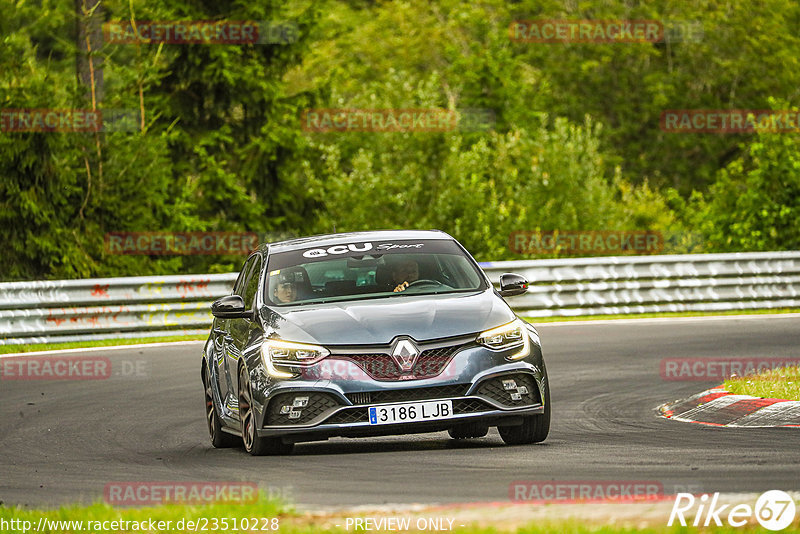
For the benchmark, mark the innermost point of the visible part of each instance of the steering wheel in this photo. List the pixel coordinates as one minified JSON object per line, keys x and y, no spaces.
{"x":423,"y":282}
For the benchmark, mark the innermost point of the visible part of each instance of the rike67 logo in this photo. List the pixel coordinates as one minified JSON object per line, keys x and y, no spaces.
{"x":774,"y":510}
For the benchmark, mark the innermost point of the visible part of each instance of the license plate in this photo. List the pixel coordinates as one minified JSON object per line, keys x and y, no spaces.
{"x":410,"y":412}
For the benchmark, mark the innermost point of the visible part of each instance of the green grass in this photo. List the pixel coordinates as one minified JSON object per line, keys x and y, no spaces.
{"x":265,"y":510}
{"x":8,"y":349}
{"x":771,"y":384}
{"x":535,"y":320}
{"x":261,"y":508}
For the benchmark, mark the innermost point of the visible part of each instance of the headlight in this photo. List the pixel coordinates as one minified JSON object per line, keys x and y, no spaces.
{"x":508,"y":336}
{"x":275,"y":351}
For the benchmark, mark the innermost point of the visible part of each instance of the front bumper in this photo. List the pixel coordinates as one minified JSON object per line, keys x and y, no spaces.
{"x":475,"y":379}
{"x":364,"y":429}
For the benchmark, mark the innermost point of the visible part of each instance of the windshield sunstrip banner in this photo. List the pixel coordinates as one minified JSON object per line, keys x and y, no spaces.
{"x":362,"y":250}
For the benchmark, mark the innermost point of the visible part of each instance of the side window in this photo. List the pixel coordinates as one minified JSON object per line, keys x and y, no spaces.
{"x":238,"y":287}
{"x":252,"y":284}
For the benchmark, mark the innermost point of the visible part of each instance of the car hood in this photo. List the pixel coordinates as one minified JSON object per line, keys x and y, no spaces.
{"x":380,"y":320}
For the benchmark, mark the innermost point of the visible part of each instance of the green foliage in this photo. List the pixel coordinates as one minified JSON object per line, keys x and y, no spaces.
{"x":755,"y":202}
{"x":208,"y":154}
{"x":736,"y":58}
{"x":547,"y":177}
{"x":219,"y":146}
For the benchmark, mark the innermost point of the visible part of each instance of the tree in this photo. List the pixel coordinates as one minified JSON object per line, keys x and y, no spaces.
{"x":755,"y":202}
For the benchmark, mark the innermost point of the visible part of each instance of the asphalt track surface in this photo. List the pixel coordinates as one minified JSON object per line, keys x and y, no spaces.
{"x":63,"y":441}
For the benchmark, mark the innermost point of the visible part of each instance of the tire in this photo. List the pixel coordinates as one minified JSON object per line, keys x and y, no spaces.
{"x":534,"y":428}
{"x":253,"y":443}
{"x":468,"y":431}
{"x":219,"y":438}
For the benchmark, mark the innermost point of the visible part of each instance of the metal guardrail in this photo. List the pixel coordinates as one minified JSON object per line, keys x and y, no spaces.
{"x":109,"y":308}
{"x":77,"y":310}
{"x":652,"y":284}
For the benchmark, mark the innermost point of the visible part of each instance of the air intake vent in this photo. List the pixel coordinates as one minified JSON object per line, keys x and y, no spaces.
{"x":511,"y":390}
{"x":412,"y":394}
{"x":299,"y":407}
{"x":360,"y":398}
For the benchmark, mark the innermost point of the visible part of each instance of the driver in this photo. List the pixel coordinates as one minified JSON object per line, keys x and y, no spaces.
{"x":404,"y":273}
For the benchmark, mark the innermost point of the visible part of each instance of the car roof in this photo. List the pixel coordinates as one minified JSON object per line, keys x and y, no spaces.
{"x":327,"y":240}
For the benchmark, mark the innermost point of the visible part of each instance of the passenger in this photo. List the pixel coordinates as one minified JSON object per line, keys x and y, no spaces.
{"x":285,"y":291}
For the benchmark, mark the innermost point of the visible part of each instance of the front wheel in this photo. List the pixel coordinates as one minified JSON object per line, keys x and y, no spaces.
{"x":219,"y":439}
{"x":253,"y":443}
{"x":534,"y":428}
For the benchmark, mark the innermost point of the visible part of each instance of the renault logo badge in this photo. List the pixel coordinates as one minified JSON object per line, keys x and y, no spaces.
{"x":405,"y":354}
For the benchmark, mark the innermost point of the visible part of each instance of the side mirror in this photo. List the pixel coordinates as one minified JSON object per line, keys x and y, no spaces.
{"x":512,"y":285}
{"x":230,"y":307}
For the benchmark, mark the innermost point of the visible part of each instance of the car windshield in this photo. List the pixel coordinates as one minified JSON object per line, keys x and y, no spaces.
{"x":362,"y":270}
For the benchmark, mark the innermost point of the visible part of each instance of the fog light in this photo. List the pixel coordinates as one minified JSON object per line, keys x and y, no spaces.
{"x":300,"y":402}
{"x":516,"y":396}
{"x":285,"y":409}
{"x":522,"y":390}
{"x":509,"y":384}
{"x":295,"y":414}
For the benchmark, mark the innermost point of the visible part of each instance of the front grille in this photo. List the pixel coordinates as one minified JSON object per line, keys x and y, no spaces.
{"x":378,"y":366}
{"x":381,"y":366}
{"x":509,"y":393}
{"x":353,"y":415}
{"x":294,"y":412}
{"x":412,"y":394}
{"x":360,"y":398}
{"x":361,"y":415}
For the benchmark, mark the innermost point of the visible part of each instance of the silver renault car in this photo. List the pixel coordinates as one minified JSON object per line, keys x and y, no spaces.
{"x":368,"y":334}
